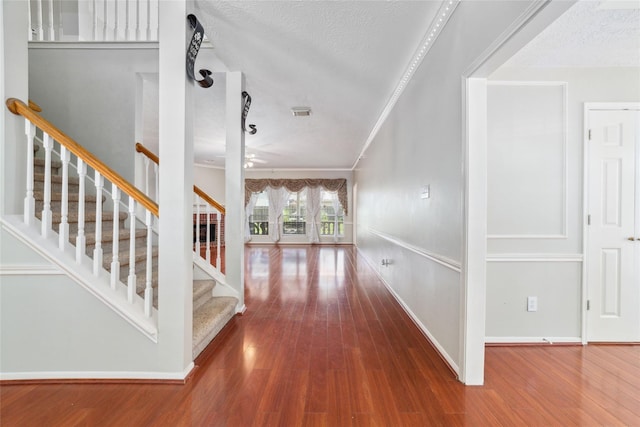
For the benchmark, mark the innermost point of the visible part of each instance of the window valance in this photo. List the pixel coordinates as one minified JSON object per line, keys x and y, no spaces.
{"x":294,"y":185}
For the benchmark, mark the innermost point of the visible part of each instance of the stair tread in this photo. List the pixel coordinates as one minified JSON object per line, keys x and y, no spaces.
{"x":72,"y":197}
{"x":88,"y":216}
{"x":107,"y":236}
{"x":39,"y":161}
{"x":123,"y":255}
{"x":73,"y":180}
{"x":211,"y":317}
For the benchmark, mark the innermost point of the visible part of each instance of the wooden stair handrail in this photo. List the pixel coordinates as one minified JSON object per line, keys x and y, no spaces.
{"x":18,"y":107}
{"x":144,"y":150}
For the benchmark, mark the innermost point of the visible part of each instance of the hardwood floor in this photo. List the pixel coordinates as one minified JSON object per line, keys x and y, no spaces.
{"x":324,"y":344}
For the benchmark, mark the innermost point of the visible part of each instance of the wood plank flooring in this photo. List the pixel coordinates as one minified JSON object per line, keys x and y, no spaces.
{"x":323,"y":343}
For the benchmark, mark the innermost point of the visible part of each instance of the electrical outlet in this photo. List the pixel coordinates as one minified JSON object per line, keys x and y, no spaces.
{"x":532,"y":303}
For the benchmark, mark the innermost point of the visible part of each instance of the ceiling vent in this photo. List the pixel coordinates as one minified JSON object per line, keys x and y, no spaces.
{"x":301,"y":111}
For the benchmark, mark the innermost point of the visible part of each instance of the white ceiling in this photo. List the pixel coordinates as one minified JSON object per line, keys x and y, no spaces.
{"x":589,"y":34}
{"x":343,"y":59}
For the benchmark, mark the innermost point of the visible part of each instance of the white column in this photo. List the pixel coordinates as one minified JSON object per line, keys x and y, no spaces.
{"x":176,"y":189}
{"x":234,"y":186}
{"x":473,"y":295}
{"x":14,"y":71}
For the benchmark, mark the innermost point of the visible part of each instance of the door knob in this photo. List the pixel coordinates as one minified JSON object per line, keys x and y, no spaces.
{"x":631,"y":238}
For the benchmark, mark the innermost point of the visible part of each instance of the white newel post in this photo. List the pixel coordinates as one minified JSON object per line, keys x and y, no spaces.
{"x":234,"y":186}
{"x":175,"y":290}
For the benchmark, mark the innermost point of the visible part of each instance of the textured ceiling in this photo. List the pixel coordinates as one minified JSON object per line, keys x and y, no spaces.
{"x":343,"y":59}
{"x":589,"y":34}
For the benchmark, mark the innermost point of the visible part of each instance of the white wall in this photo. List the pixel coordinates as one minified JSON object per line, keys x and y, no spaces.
{"x":421,"y":144}
{"x":84,"y":340}
{"x":211,"y":181}
{"x":297,"y":174}
{"x":90,"y":95}
{"x":549,"y":268}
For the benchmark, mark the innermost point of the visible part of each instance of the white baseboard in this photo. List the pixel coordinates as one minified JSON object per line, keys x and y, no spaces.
{"x":96,"y":375}
{"x":533,"y":340}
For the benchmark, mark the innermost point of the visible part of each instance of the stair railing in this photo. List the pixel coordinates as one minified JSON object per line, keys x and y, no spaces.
{"x":84,"y":159}
{"x":97,"y":20}
{"x":202,"y":201}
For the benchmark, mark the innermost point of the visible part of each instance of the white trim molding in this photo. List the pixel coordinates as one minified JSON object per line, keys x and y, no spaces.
{"x":437,"y":258}
{"x":96,"y":375}
{"x":533,"y":340}
{"x":94,"y":45}
{"x":29,"y":270}
{"x":526,"y":257}
{"x":565,"y":161}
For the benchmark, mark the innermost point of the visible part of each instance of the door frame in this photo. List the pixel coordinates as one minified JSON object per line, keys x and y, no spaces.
{"x":586,"y":180}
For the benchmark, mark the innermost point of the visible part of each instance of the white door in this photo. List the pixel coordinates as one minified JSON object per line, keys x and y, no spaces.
{"x":613,"y":238}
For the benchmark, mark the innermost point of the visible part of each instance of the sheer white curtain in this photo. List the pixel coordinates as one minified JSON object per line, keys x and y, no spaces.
{"x":313,"y":208}
{"x":277,"y":200}
{"x":336,"y":207}
{"x":248,"y":210}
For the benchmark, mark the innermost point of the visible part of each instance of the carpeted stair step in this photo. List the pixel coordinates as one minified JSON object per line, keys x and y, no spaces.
{"x":209,"y":319}
{"x":89,"y":221}
{"x":39,"y":163}
{"x":107,"y":240}
{"x":201,"y":292}
{"x":72,"y":206}
{"x":56,"y":183}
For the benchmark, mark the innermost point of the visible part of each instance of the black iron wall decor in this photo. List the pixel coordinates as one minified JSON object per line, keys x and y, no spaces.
{"x":246,"y":99}
{"x":192,"y":52}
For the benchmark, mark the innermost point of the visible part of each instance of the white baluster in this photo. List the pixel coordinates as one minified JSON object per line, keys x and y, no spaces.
{"x":147,"y":179}
{"x":115,"y":261}
{"x":131,"y":282}
{"x":208,"y":250}
{"x":29,"y":200}
{"x":218,"y":238}
{"x":157,"y":182}
{"x":97,"y":251}
{"x":81,"y":240}
{"x":148,"y":32}
{"x":39,"y":24}
{"x":153,"y":20}
{"x":94,"y":11}
{"x":129,"y":32}
{"x":148,"y":290}
{"x":59,"y":30}
{"x":51,"y":26}
{"x":138,"y":14}
{"x":116,"y":20}
{"x":46,"y":210}
{"x":30,"y":35}
{"x":63,"y":229}
{"x":105,"y":14}
{"x":156,"y":220}
{"x":197,"y":232}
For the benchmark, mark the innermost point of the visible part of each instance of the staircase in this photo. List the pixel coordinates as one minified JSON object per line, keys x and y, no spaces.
{"x":210,"y":314}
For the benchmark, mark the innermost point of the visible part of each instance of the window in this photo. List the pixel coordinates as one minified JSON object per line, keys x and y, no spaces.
{"x":329,"y":218}
{"x":259,"y":219}
{"x":295,"y":214}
